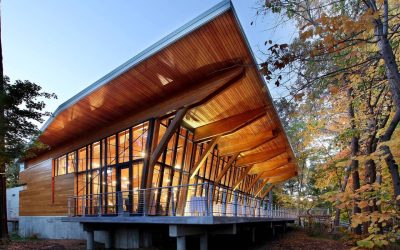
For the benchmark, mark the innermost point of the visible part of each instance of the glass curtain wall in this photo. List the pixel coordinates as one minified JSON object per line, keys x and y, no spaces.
{"x":115,"y":163}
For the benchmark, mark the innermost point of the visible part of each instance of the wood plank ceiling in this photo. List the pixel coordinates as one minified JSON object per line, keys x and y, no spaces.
{"x":215,"y":46}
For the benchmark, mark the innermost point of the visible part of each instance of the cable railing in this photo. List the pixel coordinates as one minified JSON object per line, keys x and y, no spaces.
{"x":185,"y":200}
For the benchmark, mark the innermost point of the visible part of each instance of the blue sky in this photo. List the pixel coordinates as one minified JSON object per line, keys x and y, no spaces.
{"x":65,"y":45}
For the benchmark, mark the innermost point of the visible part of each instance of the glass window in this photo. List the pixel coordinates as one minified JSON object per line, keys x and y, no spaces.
{"x":61,"y":165}
{"x":179,"y":152}
{"x":96,"y":155}
{"x":188,"y":155}
{"x":82,"y":159}
{"x":170,"y":151}
{"x":71,"y":162}
{"x":81,"y":191}
{"x":111,"y":147}
{"x":123,"y":146}
{"x":139,"y":140}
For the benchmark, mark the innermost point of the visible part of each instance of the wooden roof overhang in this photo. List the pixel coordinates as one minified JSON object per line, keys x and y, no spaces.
{"x":205,"y":66}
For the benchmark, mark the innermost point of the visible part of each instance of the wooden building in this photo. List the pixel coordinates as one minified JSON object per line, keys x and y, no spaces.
{"x":191,"y":112}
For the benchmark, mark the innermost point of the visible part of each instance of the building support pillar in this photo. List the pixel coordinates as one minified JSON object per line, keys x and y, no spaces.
{"x":108,"y":240}
{"x":181,"y":243}
{"x":90,"y":240}
{"x":147,"y":240}
{"x":204,"y":241}
{"x":253,"y":234}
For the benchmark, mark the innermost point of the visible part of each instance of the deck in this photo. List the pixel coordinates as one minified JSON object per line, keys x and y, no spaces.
{"x":176,"y":220}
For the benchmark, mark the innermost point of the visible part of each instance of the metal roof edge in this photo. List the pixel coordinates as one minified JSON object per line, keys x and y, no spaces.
{"x":173,"y":37}
{"x":262,"y":79}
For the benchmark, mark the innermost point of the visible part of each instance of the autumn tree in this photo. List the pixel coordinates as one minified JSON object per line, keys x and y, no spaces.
{"x":347,"y":49}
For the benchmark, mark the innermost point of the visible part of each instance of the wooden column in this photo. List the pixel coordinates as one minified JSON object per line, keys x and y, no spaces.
{"x":261,"y":187}
{"x":203,"y":157}
{"x":254,"y":182}
{"x":175,"y":123}
{"x":241,"y":178}
{"x":226,"y":168}
{"x":262,"y":196}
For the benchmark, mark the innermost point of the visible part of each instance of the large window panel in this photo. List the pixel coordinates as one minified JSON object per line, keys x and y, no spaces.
{"x":96,"y":155}
{"x":71,"y":162}
{"x":111,"y":150}
{"x":123,"y":146}
{"x":139,"y":140}
{"x":62,"y":165}
{"x":82,"y":159}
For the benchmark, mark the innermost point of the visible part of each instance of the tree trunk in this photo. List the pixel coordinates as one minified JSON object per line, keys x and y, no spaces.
{"x":393,"y":76}
{"x":3,"y":179}
{"x":342,"y":189}
{"x":394,"y":172}
{"x":354,"y":151}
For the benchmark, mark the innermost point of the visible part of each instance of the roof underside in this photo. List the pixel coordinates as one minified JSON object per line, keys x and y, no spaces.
{"x":198,"y":50}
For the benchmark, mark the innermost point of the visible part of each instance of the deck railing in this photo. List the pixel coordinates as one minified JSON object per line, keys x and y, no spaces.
{"x":186,"y":200}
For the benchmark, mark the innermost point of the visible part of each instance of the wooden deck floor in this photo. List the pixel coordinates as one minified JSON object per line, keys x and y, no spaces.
{"x":175,"y":220}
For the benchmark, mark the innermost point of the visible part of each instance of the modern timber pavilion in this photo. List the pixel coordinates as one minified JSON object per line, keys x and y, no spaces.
{"x":183,"y":136}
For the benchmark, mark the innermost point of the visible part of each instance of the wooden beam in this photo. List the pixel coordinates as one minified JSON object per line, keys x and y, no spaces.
{"x":269,"y":165}
{"x":287,"y":168}
{"x":203,"y":157}
{"x":261,"y":187}
{"x":253,"y":182}
{"x":241,"y":178}
{"x":282,"y":177}
{"x":175,"y":123}
{"x":226,"y":168}
{"x":259,"y":156}
{"x":228,"y":125}
{"x":262,"y":196}
{"x":153,"y":146}
{"x":229,"y":148}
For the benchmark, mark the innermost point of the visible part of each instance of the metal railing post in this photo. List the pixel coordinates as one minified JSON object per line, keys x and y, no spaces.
{"x":120,"y":205}
{"x":144,"y":201}
{"x":210,"y":200}
{"x":235,"y":203}
{"x":206,"y":198}
{"x":244,"y":207}
{"x":99,"y":204}
{"x":83,"y":206}
{"x":69,"y":206}
{"x":224,"y":202}
{"x":173,"y":201}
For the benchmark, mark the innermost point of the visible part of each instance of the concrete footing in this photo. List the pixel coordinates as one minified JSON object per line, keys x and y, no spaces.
{"x":89,"y":240}
{"x":108,"y":239}
{"x":181,"y":243}
{"x":204,"y":241}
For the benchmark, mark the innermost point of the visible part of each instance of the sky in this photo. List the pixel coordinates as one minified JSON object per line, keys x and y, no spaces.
{"x":66,"y":45}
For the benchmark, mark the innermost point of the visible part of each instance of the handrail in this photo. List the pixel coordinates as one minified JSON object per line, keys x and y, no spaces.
{"x":181,"y":200}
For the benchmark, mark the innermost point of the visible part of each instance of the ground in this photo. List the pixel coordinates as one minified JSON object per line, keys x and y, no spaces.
{"x":44,"y":244}
{"x":299,"y":239}
{"x":293,"y":239}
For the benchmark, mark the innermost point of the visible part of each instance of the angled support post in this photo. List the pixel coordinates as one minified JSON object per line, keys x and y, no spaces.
{"x":203,"y":157}
{"x":241,"y":178}
{"x":253,"y":182}
{"x":261,"y":187}
{"x":226,"y":168}
{"x":176,"y":122}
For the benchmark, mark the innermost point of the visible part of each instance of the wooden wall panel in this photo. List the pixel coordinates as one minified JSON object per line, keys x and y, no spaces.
{"x":36,"y":199}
